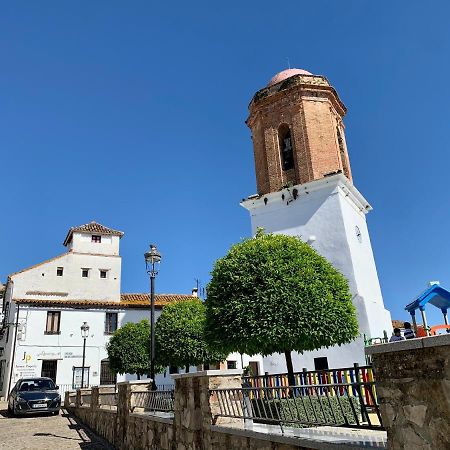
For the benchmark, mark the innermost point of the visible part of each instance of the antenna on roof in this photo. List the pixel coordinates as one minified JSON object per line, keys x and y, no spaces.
{"x":200,"y":289}
{"x":289,"y":63}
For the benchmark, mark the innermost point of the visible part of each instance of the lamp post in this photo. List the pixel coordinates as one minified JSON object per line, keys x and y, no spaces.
{"x":84,"y":335}
{"x":152,"y":261}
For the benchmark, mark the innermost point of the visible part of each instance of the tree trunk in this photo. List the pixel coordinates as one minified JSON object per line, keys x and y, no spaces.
{"x":138,"y":376}
{"x":187,"y":368}
{"x":290,"y":367}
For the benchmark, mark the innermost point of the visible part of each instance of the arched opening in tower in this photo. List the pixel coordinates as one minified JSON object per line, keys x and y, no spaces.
{"x":286,"y":147}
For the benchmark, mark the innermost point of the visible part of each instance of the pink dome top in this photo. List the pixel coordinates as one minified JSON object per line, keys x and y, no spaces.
{"x":287,"y":74}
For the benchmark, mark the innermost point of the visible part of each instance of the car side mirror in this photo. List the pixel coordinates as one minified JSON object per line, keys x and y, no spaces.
{"x":56,"y":387}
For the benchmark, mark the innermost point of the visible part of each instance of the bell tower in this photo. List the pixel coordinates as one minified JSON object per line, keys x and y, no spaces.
{"x":297,"y":131}
{"x":305,"y":189}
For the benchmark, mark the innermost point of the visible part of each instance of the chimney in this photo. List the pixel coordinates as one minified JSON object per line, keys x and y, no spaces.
{"x":432,"y":283}
{"x":195,"y":292}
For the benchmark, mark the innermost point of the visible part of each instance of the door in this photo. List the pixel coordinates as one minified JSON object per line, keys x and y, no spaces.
{"x":49,"y":369}
{"x":254,"y":367}
{"x":107,"y":376}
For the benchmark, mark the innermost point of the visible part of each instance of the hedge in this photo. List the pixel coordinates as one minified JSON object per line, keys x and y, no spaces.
{"x":308,"y":410}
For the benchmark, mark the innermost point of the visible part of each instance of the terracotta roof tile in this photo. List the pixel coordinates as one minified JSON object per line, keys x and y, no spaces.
{"x":126,"y":301}
{"x":144,"y":298}
{"x":92,"y":227}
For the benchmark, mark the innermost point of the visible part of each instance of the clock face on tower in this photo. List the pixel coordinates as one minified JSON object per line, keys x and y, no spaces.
{"x":358,"y":233}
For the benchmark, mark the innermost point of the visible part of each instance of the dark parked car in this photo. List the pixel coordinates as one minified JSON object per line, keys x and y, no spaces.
{"x":31,"y":395}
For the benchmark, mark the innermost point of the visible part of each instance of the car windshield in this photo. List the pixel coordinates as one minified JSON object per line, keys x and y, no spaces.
{"x":36,"y":385}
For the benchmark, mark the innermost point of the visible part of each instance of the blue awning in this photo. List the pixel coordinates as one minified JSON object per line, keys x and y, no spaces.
{"x":435,"y":295}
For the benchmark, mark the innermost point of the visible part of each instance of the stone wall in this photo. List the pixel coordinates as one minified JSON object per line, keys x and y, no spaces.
{"x":413,"y":385}
{"x":194,"y":426}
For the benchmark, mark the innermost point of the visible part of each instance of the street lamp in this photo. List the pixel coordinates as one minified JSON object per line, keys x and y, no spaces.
{"x":84,"y":335}
{"x":152,"y":261}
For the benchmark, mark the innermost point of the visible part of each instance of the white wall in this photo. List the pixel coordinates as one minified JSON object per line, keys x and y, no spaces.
{"x":82,"y":243}
{"x":243,"y":360}
{"x":325,"y":214}
{"x":33,"y":345}
{"x":43,"y":278}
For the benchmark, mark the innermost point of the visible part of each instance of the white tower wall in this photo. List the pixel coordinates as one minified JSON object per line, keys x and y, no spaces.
{"x":327,"y":214}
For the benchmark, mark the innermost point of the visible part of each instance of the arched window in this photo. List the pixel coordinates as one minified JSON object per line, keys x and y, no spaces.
{"x":342,"y":153}
{"x":286,"y":148}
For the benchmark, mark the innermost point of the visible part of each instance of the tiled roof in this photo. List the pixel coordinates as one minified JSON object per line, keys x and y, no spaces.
{"x":92,"y":227}
{"x":144,"y":299}
{"x":126,"y":301}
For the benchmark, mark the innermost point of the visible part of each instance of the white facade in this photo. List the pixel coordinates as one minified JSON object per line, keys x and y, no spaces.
{"x":43,"y":282}
{"x":33,"y":346}
{"x":82,"y":285}
{"x":329,"y":214}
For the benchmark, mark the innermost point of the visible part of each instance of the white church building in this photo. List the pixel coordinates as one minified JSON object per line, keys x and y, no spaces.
{"x":305,"y":189}
{"x":45,"y":305}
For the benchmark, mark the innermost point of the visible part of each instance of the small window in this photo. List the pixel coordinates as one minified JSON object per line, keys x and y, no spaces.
{"x":321,"y":363}
{"x":59,"y":271}
{"x":110,"y":323}
{"x":96,"y":238}
{"x":53,"y":320}
{"x":85,"y":273}
{"x":103,"y":274}
{"x":231,"y":365}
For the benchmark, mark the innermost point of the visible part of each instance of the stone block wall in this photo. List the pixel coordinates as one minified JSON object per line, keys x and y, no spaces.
{"x":413,"y":386}
{"x":195,"y":425}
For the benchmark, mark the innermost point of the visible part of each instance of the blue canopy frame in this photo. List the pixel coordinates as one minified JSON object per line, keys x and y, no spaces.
{"x":436,"y":296}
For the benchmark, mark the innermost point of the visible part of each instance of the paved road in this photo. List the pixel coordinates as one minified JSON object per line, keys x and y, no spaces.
{"x":43,"y":432}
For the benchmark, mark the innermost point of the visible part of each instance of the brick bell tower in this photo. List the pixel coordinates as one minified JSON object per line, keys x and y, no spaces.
{"x":305,"y":189}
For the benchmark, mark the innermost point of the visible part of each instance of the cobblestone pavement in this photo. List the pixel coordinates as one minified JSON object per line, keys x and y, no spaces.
{"x":44,"y":432}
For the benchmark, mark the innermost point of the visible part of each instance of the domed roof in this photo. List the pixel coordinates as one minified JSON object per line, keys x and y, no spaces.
{"x":283,"y":75}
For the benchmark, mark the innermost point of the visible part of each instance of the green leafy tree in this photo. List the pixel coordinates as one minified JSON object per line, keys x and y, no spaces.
{"x":129,"y":349}
{"x":275,"y":293}
{"x":180,"y":336}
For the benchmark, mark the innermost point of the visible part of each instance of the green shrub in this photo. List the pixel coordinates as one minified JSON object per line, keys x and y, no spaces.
{"x":308,"y":410}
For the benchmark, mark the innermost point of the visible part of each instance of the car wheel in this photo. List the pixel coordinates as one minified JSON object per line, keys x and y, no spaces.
{"x":55,"y":413}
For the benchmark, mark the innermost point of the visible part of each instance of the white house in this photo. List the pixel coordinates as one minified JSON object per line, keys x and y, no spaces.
{"x":44,"y":306}
{"x":50,"y":301}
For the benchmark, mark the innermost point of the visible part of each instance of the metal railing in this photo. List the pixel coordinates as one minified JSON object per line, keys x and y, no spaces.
{"x":162,"y":401}
{"x":345,"y":375}
{"x":63,"y":388}
{"x":339,"y":404}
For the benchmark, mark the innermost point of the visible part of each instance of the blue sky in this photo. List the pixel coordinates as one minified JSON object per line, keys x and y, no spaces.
{"x":132,"y":114}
